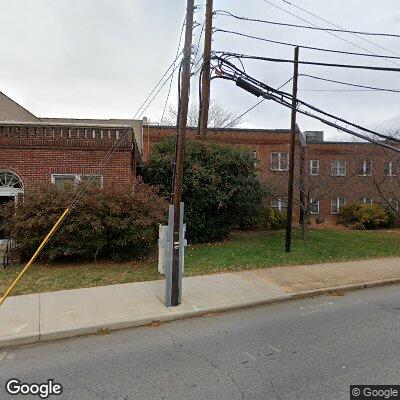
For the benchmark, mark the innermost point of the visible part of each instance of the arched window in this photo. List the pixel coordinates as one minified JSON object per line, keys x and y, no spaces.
{"x":10,"y":184}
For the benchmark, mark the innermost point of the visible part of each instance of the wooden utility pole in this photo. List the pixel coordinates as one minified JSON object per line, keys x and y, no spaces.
{"x":180,"y":148}
{"x":205,"y":75}
{"x":291,"y":154}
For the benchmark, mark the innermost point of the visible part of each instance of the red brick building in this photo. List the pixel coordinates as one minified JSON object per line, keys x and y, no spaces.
{"x":328,"y":174}
{"x":63,"y":149}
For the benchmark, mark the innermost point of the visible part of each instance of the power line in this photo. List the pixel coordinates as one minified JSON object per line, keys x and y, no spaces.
{"x":172,"y":77}
{"x":334,"y":125}
{"x":257,"y":83}
{"x":253,"y":107}
{"x":283,"y":102}
{"x":357,"y":34}
{"x":351,"y":66}
{"x":372,"y":88}
{"x":199,"y":42}
{"x":304,"y":46}
{"x":229,"y":14}
{"x":123,"y":134}
{"x":172,"y":65}
{"x":332,"y":33}
{"x":337,"y":90}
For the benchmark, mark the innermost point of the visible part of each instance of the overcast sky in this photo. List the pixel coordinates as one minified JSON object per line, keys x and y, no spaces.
{"x":99,"y":58}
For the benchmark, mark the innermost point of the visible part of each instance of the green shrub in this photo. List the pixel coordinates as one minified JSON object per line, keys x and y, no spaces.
{"x":364,"y":216}
{"x":221,"y":189}
{"x":372,"y":216}
{"x":111,"y":223}
{"x":348,"y":214}
{"x":271,"y":219}
{"x":393,"y":218}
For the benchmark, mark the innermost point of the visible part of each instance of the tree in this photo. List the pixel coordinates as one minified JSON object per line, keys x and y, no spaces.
{"x":221,"y":189}
{"x":381,"y":173}
{"x":218,"y":117}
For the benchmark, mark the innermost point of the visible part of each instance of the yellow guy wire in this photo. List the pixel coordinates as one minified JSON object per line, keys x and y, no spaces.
{"x":37,"y":252}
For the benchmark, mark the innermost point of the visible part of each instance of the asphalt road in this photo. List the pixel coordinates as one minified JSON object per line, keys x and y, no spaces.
{"x":303,"y":349}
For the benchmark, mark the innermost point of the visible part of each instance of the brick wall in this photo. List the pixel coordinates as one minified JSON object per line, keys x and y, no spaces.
{"x":35,"y":153}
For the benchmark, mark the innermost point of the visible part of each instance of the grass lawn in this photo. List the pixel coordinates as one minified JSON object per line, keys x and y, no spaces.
{"x":242,"y":251}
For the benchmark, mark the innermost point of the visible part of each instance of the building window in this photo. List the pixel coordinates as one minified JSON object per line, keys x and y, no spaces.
{"x":254,"y":159}
{"x":279,"y":161}
{"x":366,"y":200}
{"x":314,"y":206}
{"x":336,"y":203}
{"x":365,"y":168}
{"x":314,"y":167}
{"x":338,"y":168}
{"x":391,"y":168}
{"x":62,"y":179}
{"x":279,"y":204}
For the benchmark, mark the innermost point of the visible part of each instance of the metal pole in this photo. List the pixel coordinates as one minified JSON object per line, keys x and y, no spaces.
{"x":178,"y":176}
{"x":291,"y":155}
{"x":205,"y":74}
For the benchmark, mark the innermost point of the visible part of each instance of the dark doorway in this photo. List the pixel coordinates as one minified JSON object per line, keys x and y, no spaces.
{"x":3,"y":201}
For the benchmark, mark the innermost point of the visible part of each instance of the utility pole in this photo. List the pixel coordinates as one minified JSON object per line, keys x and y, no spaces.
{"x":180,"y":148}
{"x":205,"y":73}
{"x":291,"y":154}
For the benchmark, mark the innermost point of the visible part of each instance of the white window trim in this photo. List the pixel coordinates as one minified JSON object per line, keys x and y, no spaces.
{"x":77,"y":177}
{"x":316,"y":203}
{"x":337,"y":199}
{"x":280,"y":203}
{"x":337,"y":168}
{"x":279,"y":169}
{"x":311,"y":167}
{"x":364,"y":168}
{"x":392,"y":170}
{"x":364,"y":200}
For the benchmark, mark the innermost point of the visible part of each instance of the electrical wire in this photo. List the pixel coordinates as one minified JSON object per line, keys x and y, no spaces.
{"x":372,"y":88}
{"x":304,"y":46}
{"x":351,"y":66}
{"x":123,"y":134}
{"x":327,"y":122}
{"x":356,"y":34}
{"x":172,"y":77}
{"x":238,"y":72}
{"x":337,"y":90}
{"x":172,"y":65}
{"x":331,"y":33}
{"x":229,"y":124}
{"x":229,"y":14}
{"x":198,"y":46}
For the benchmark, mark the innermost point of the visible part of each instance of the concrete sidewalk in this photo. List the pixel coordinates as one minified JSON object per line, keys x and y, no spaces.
{"x":54,"y":315}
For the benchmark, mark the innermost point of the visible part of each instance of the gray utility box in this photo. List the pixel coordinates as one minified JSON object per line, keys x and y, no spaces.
{"x":163,"y":246}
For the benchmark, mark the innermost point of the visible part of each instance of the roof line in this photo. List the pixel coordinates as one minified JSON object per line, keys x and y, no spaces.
{"x":61,"y":124}
{"x":19,"y":105}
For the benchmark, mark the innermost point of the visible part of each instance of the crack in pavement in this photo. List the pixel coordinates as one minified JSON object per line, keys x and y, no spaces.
{"x":223,"y":370}
{"x":171,"y":336}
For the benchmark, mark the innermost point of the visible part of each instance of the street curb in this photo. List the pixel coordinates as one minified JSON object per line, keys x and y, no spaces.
{"x":176,"y":314}
{"x":345,"y":288}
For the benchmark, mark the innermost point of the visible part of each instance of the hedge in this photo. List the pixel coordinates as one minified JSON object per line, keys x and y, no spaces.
{"x":113,"y":223}
{"x":364,"y":216}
